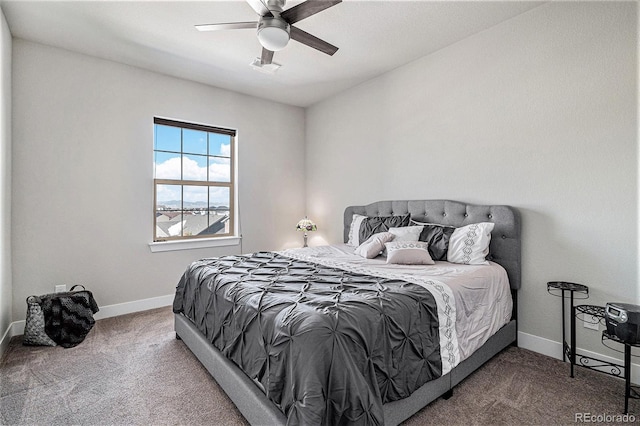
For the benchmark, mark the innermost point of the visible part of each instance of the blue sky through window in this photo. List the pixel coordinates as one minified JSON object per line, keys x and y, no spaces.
{"x":219,"y":144}
{"x":194,"y":141}
{"x":167,"y":138}
{"x":196,"y":156}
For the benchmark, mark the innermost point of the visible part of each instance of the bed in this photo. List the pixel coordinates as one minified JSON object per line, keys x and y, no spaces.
{"x":342,"y":371}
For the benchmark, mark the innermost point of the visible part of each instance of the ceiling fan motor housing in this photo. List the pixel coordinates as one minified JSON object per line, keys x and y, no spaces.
{"x":273,"y":33}
{"x":275,"y":5}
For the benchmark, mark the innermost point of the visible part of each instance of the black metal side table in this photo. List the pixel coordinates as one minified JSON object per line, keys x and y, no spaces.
{"x":630,"y":391}
{"x":595,"y":315}
{"x":560,"y":289}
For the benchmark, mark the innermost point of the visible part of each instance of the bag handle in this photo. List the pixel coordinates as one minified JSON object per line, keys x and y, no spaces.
{"x":37,"y":299}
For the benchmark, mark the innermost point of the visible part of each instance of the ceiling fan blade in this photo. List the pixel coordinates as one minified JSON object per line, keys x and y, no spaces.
{"x":260,"y":7}
{"x":312,"y":41}
{"x":227,"y":26}
{"x":306,"y":9}
{"x":267,"y":56}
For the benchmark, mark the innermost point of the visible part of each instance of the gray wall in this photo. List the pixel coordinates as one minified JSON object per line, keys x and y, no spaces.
{"x":83,"y":173}
{"x":538,"y":112}
{"x":5,"y":176}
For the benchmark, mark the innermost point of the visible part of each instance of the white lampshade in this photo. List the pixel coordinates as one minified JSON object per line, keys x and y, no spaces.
{"x":306,"y":225}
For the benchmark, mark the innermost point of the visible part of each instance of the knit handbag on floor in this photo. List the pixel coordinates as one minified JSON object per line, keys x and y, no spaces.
{"x":34,"y":334}
{"x":68,"y":316}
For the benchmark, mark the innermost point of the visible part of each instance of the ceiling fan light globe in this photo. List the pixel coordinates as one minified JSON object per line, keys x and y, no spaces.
{"x":273,"y":38}
{"x":273,"y":33}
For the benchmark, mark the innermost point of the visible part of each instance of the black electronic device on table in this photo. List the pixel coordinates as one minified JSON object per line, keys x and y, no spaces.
{"x":623,"y":321}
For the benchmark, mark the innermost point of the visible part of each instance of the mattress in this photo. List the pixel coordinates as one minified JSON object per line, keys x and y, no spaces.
{"x":330,"y":336}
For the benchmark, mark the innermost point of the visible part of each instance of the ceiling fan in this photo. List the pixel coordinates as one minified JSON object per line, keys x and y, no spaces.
{"x":275,"y":26}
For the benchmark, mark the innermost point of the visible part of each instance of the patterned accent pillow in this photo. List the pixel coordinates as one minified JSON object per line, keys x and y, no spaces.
{"x":470,"y":244}
{"x":408,"y":253}
{"x":363,"y":227}
{"x":374,"y":245}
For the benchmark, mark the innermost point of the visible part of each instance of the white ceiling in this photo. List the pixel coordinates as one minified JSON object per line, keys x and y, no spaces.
{"x":373,"y":37}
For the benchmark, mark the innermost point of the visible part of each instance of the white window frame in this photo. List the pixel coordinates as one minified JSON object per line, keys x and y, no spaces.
{"x":185,"y":242}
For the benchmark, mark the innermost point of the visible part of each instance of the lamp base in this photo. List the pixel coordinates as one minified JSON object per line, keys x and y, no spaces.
{"x":305,"y":240}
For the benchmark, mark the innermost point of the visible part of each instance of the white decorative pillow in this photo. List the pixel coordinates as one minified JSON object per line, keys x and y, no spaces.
{"x":354,"y":230}
{"x":408,"y":253}
{"x":374,"y":245}
{"x":470,"y":244}
{"x":406,"y":233}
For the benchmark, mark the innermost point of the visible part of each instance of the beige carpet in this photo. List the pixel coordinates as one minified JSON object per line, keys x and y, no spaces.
{"x":132,"y":370}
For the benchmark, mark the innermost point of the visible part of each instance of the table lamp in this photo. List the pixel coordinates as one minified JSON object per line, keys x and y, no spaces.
{"x":306,"y":225}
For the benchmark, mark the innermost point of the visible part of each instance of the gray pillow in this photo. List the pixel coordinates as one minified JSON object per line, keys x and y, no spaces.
{"x":376,"y":224}
{"x":437,"y":236}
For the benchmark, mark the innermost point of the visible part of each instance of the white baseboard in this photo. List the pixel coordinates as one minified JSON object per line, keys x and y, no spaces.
{"x":540,"y":344}
{"x":4,"y":343}
{"x":554,"y":349}
{"x":16,"y":328}
{"x":135,"y":306}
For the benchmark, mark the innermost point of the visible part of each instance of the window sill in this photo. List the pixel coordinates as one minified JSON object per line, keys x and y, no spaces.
{"x":193,"y":244}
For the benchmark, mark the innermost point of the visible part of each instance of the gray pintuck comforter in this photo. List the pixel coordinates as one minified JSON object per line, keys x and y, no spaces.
{"x":327,"y":346}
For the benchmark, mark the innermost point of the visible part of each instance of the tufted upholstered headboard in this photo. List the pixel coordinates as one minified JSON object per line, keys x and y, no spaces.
{"x":505,"y":237}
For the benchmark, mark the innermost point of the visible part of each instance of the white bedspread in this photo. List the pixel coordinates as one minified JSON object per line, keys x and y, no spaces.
{"x":481,"y":292}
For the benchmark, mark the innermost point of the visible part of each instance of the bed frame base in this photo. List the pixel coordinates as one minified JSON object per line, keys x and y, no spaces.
{"x":259,"y":410}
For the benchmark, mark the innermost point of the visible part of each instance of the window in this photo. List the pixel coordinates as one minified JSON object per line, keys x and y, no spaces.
{"x":193,"y":181}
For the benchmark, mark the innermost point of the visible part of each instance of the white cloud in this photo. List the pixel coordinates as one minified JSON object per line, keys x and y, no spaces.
{"x":170,"y":169}
{"x":192,"y":171}
{"x":219,"y":170}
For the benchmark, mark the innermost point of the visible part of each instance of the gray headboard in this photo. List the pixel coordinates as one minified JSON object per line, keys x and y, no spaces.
{"x":505,"y":237}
